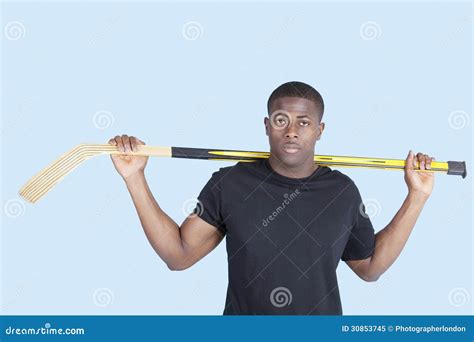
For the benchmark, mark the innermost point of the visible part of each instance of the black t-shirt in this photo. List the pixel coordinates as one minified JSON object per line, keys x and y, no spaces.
{"x":285,"y":236}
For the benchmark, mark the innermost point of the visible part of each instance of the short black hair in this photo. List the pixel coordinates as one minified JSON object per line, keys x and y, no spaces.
{"x":297,"y":89}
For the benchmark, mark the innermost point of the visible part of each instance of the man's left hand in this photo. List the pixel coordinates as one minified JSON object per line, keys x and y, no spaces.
{"x":419,"y":182}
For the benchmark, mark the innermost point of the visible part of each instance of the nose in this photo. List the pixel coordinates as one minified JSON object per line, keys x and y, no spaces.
{"x":291,"y":133}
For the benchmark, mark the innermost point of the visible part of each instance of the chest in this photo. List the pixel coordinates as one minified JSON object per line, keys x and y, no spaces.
{"x":265,"y":221}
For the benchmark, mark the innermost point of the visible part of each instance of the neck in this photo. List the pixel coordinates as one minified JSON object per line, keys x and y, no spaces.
{"x":303,"y":170}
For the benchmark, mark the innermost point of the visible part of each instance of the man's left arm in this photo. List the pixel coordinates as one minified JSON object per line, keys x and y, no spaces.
{"x":390,"y":241}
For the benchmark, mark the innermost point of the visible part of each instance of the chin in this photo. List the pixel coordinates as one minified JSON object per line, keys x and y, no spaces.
{"x":290,"y":160}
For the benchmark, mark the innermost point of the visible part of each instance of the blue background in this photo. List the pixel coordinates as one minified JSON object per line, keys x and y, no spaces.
{"x":81,"y":250}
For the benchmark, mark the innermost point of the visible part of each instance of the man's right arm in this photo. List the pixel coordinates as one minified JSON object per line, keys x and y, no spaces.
{"x":179,"y":247}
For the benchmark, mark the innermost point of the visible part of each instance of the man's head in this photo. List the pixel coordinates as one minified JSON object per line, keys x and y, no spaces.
{"x":295,"y":111}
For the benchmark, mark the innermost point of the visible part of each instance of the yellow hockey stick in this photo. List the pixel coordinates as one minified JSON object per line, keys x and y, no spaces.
{"x":40,"y":184}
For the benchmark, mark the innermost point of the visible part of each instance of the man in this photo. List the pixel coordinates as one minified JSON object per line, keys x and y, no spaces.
{"x":288,"y":221}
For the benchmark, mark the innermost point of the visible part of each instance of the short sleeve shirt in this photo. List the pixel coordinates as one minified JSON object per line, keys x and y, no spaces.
{"x":285,"y":236}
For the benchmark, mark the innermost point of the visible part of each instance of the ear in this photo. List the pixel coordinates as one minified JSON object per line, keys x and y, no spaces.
{"x":266,"y":123}
{"x":322,"y":125}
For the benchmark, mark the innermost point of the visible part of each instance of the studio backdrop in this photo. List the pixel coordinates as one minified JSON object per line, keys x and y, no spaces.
{"x":394,"y":77}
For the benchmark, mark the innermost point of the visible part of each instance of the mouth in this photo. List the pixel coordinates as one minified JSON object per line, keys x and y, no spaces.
{"x":291,"y":148}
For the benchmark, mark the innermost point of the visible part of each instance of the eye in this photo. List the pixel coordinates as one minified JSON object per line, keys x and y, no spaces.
{"x":280,"y":121}
{"x":304,"y":123}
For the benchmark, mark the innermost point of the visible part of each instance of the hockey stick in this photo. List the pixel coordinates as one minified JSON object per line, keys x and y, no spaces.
{"x":39,"y":185}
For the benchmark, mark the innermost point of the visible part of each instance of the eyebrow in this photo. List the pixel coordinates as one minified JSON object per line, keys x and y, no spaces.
{"x":303,"y":116}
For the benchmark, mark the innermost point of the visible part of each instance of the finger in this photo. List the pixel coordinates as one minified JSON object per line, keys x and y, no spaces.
{"x":133,"y":143}
{"x":419,"y":159}
{"x":118,"y":139}
{"x":424,"y":160}
{"x":428,"y":162}
{"x":138,"y":142}
{"x":409,"y":160}
{"x":415,"y":160}
{"x":112,"y":141}
{"x":121,"y":144}
{"x":126,"y":142}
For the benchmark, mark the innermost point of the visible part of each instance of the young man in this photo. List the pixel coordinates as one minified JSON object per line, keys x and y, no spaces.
{"x":288,"y":221}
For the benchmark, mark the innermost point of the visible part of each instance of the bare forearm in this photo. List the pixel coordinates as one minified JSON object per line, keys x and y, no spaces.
{"x":161,"y":231}
{"x":389,"y":242}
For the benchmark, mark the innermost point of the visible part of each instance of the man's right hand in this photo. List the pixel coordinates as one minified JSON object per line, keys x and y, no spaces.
{"x":128,"y":165}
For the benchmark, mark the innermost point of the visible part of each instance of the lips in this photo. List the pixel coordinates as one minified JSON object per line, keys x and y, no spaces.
{"x":291,"y":148}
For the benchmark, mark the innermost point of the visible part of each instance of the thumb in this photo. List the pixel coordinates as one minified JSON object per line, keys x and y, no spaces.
{"x":409,"y":161}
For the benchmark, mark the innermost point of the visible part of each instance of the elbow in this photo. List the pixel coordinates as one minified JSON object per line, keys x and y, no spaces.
{"x":370,"y":278}
{"x":179,"y":262}
{"x":177,"y":266}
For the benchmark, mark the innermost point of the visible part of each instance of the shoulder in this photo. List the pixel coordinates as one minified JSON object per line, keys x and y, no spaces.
{"x":240,"y":168}
{"x":341,"y":176}
{"x":344,"y":181}
{"x":223,"y":173}
{"x":237,"y":173}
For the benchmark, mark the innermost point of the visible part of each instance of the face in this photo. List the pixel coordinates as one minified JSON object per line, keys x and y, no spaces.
{"x":293,"y":129}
